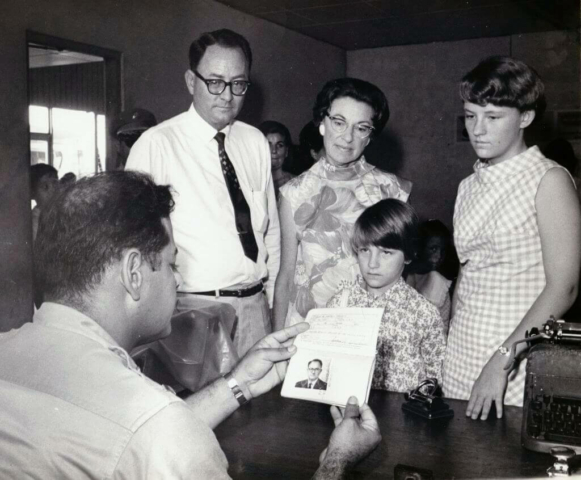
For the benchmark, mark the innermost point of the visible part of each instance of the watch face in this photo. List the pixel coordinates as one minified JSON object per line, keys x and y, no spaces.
{"x":236,"y":391}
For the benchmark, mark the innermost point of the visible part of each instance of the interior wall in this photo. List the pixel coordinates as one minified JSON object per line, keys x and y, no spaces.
{"x":154,"y":38}
{"x":420,"y":142}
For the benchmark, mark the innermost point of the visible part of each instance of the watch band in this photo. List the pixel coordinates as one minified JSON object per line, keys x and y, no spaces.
{"x":233,"y":384}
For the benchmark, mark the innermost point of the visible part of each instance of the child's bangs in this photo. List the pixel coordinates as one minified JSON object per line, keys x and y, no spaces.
{"x":366,"y":235}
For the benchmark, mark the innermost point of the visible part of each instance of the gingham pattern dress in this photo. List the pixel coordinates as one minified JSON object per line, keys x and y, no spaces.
{"x":497,"y":238}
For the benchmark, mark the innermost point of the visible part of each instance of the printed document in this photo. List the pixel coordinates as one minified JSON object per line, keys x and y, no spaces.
{"x":335,"y":358}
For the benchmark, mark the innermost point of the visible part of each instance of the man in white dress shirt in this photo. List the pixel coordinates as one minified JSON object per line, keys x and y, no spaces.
{"x":185,"y":152}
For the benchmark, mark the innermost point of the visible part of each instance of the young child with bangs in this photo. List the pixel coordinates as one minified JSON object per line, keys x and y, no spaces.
{"x":411,"y":342}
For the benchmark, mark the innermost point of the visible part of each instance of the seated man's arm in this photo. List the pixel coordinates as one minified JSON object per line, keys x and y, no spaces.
{"x":172,"y":444}
{"x":262,"y":368}
{"x":355,"y":436}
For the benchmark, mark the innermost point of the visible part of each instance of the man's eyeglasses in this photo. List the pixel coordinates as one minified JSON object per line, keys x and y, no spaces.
{"x":216,"y":87}
{"x":340,"y":126}
{"x":315,"y":369}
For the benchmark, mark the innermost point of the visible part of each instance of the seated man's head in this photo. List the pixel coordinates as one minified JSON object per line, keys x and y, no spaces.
{"x":43,"y":183}
{"x":105,"y":247}
{"x":314,"y":369}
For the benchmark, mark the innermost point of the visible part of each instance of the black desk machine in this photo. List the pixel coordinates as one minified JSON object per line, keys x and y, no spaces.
{"x":552,"y":402}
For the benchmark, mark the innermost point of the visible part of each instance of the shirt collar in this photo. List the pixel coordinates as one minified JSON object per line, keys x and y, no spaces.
{"x":360,"y":283}
{"x":487,"y":173}
{"x":203,"y":129}
{"x":354,"y":170}
{"x":55,"y":315}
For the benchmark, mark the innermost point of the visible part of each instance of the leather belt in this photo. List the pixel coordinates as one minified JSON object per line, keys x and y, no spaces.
{"x":241,"y":293}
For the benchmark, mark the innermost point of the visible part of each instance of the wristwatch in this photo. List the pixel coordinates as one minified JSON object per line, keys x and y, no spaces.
{"x":233,"y":384}
{"x":504,"y":351}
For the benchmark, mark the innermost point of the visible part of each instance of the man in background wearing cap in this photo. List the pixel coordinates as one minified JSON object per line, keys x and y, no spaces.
{"x":127,"y":129}
{"x":226,"y":220}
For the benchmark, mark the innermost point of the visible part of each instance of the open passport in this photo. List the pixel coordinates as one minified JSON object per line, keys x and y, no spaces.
{"x":335,"y":358}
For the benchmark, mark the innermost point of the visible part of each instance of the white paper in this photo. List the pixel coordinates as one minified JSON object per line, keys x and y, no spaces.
{"x":344,"y":340}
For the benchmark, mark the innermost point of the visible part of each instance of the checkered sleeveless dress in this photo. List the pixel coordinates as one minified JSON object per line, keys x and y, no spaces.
{"x":497,"y":238}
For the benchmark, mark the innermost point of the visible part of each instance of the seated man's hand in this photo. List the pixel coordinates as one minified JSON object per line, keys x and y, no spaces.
{"x":265,"y":364}
{"x":355,"y":436}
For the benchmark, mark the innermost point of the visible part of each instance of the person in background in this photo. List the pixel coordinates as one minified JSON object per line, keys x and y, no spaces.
{"x":75,"y":405}
{"x":309,"y":150}
{"x":128,"y":127}
{"x":44,"y":184}
{"x":67,"y":179}
{"x":319,"y":207}
{"x":280,"y":142}
{"x":424,"y":273}
{"x":411,"y":341}
{"x":226,"y":220}
{"x":517,"y":231}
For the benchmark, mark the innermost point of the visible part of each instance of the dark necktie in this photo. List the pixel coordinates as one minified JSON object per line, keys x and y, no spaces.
{"x":241,"y":208}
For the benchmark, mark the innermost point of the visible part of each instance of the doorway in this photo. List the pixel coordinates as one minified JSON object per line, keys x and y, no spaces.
{"x":74,"y":92}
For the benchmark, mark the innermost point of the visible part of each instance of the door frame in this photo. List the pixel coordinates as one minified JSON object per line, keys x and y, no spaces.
{"x":114,"y":93}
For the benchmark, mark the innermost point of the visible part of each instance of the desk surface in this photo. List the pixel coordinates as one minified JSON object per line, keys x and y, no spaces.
{"x":275,"y":437}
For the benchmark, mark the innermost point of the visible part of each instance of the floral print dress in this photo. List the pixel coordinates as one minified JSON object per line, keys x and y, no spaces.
{"x":411,"y":342}
{"x":325,"y":202}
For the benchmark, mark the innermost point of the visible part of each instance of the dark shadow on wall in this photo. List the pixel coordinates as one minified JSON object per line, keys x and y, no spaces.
{"x":386,"y":152}
{"x":252,"y":111}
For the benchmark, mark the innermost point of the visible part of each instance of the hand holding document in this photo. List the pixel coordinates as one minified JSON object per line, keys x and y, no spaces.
{"x":335,"y":358}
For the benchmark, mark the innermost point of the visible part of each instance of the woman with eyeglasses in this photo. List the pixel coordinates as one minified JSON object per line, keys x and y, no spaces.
{"x":318,"y":208}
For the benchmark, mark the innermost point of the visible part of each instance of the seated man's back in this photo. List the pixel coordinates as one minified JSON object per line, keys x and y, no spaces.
{"x":74,"y":405}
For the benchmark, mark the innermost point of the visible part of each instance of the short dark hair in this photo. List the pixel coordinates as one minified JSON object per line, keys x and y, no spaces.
{"x":430,"y":229}
{"x":434,"y":228}
{"x":310,"y":138}
{"x":504,"y":82}
{"x":225,"y":38}
{"x":67,"y":178}
{"x":271,"y":126}
{"x":38,"y":172}
{"x":561,"y":151}
{"x":390,"y":223}
{"x":356,"y":89}
{"x":89,"y":225}
{"x":315,"y":360}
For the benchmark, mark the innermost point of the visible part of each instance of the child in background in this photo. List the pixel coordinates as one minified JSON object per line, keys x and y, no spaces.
{"x":411,"y":342}
{"x":425,"y":273}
